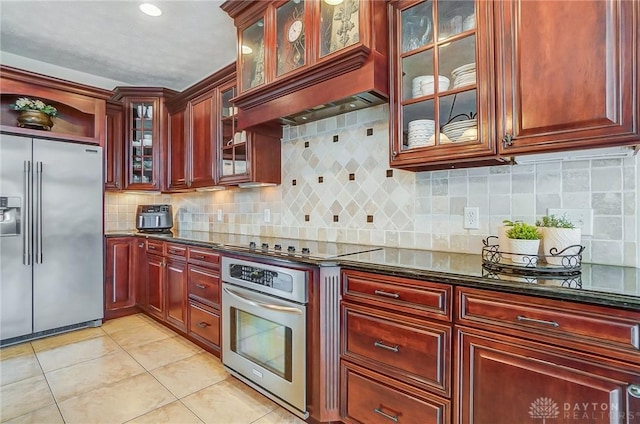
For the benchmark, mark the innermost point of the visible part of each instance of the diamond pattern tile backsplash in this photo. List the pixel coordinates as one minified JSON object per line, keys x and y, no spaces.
{"x":337,"y":186}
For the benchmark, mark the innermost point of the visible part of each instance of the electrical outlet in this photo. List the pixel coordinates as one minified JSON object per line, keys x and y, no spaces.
{"x":219,"y":215}
{"x":267,"y":215}
{"x":471,"y":218}
{"x":581,"y":218}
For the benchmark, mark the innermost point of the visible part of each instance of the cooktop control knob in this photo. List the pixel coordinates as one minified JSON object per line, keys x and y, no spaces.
{"x":252,"y":245}
{"x":277,"y":247}
{"x":291,"y":249}
{"x":265,"y":246}
{"x":305,"y":251}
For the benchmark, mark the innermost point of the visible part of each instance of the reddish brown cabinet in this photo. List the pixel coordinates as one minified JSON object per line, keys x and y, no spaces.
{"x":176,"y":293}
{"x":294,"y":56}
{"x":114,"y":146}
{"x":569,"y":81}
{"x":396,"y":349}
{"x":175,"y":165}
{"x":155,"y":265}
{"x":120,"y":286}
{"x":580,"y":362}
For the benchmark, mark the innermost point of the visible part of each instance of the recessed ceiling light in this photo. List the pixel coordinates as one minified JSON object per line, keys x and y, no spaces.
{"x":150,"y":9}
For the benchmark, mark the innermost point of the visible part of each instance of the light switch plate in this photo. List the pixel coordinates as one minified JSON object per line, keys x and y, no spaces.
{"x":267,"y":215}
{"x":581,"y":218}
{"x":219,"y":215}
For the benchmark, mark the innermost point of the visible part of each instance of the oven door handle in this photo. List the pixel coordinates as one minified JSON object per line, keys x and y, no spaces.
{"x":258,"y":304}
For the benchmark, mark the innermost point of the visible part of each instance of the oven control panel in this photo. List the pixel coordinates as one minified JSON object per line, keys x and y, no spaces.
{"x":266,"y":278}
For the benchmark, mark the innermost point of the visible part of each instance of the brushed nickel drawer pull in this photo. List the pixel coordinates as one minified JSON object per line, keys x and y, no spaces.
{"x":151,"y":247}
{"x":203,"y":324}
{"x":384,"y":346}
{"x":634,"y":390}
{"x":387,"y":294}
{"x":199,"y":256}
{"x":538,"y":321}
{"x":174,"y":251}
{"x":201,"y":286}
{"x":393,"y":418}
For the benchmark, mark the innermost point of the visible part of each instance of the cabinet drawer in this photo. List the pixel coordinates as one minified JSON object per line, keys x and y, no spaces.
{"x":416,"y":352}
{"x":423,"y":298}
{"x":374,"y":399}
{"x":204,"y":323}
{"x":547,"y":317}
{"x":155,"y":247}
{"x":204,"y":285}
{"x":204,"y":256}
{"x":178,"y":250}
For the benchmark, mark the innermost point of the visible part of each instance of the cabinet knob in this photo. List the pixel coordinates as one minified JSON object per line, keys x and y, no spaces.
{"x":140,"y":244}
{"x":634,"y":390}
{"x":507,"y":140}
{"x":117,"y":184}
{"x":394,"y":153}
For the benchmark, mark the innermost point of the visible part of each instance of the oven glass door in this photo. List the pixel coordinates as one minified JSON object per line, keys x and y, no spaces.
{"x":263,"y":340}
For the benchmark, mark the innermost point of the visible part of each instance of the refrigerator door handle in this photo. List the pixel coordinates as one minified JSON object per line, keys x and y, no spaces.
{"x":38,"y":234}
{"x":26,"y":229}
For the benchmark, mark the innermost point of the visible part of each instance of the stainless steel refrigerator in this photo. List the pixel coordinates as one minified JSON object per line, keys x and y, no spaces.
{"x":51,"y":237}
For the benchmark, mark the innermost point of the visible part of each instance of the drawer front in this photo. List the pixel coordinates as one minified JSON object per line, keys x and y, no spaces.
{"x":204,"y":285}
{"x":204,"y":256}
{"x":369,"y":401}
{"x":550,"y":317}
{"x":177,"y":250}
{"x":418,"y":353}
{"x":155,"y":247}
{"x":432,"y":300}
{"x":204,"y":323}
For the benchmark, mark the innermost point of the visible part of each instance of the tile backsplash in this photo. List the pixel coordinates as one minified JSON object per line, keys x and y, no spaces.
{"x":337,"y":186}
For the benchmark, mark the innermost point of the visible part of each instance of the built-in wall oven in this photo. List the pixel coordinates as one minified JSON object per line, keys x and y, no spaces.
{"x":264,"y":315}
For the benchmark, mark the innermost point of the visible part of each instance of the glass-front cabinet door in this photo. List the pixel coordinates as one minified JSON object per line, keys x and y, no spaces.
{"x":339,"y":25}
{"x":143,"y":146}
{"x":291,"y":44}
{"x":440,"y":87}
{"x":252,"y":49}
{"x":233,"y":143}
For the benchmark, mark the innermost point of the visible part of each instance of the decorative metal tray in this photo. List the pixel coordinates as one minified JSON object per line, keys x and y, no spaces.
{"x":573,"y":281}
{"x":534,"y":265}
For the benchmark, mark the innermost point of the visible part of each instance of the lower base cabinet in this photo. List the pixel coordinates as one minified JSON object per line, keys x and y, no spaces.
{"x":376,"y":399}
{"x":176,"y":287}
{"x":506,"y":380}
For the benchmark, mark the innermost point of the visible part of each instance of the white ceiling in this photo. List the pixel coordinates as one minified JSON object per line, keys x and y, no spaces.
{"x":114,"y":40}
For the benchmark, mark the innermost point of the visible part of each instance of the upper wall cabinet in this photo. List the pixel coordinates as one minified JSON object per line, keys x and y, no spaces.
{"x":296,"y":55}
{"x":442,"y":80}
{"x":114,"y":145}
{"x":81,"y":109}
{"x":568,"y":74}
{"x":476,"y":83}
{"x":145,"y":135}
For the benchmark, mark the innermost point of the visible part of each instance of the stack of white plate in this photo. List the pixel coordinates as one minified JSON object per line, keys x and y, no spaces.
{"x":461,"y":130}
{"x":420,"y":132}
{"x":464,"y":75}
{"x":424,"y":85}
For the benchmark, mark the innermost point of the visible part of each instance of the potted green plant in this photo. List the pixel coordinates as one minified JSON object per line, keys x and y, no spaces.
{"x":525,"y":241}
{"x":558,"y":233}
{"x":34,"y":113}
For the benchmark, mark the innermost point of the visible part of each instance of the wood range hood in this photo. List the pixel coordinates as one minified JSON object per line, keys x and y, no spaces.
{"x":353,"y":78}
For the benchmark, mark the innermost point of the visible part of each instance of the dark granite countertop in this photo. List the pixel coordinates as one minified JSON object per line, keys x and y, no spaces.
{"x":605,"y":285}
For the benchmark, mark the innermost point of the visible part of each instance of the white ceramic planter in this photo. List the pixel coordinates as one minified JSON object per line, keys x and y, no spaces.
{"x":525,"y":251}
{"x":560,"y":238}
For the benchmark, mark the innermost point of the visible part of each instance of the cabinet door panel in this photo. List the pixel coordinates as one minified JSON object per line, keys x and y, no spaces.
{"x":155,"y":291}
{"x":119,"y":287}
{"x":202,"y":113}
{"x":506,"y":382}
{"x":176,"y":274}
{"x":570,"y":80}
{"x":204,"y":285}
{"x":177,"y":152}
{"x":204,"y":324}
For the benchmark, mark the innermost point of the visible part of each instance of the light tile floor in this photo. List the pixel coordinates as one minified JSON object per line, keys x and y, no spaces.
{"x":130,"y":370}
